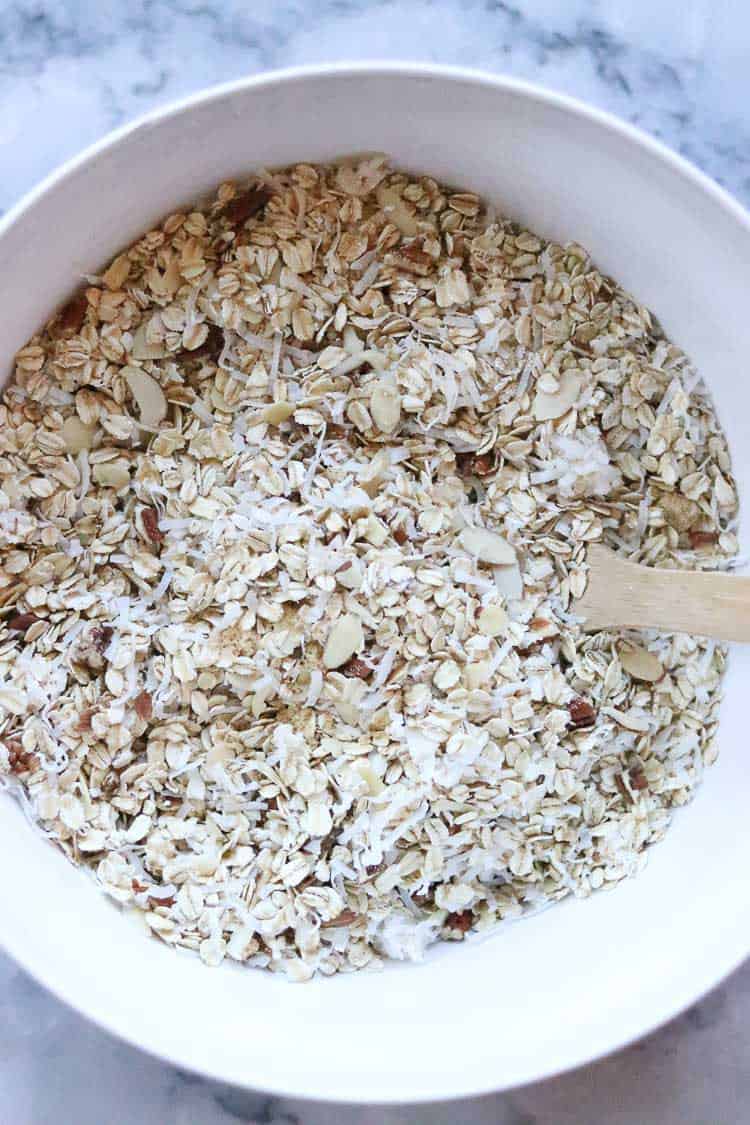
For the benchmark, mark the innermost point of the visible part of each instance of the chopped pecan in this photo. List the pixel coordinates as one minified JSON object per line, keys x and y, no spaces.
{"x":582,"y":714}
{"x":414,"y":259}
{"x":73,"y":314}
{"x":101,"y":636}
{"x":22,"y":621}
{"x":246,"y":204}
{"x":637,"y":777}
{"x":150,"y":518}
{"x":462,"y":920}
{"x":358,"y":668}
{"x":153,"y":901}
{"x":143,"y":706}
{"x":345,"y":918}
{"x":624,"y":791}
{"x":84,"y":720}
{"x":540,"y":624}
{"x":703,"y":538}
{"x":20,"y":760}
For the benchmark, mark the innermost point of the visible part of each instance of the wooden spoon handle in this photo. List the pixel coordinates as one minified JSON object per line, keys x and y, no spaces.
{"x":623,"y":594}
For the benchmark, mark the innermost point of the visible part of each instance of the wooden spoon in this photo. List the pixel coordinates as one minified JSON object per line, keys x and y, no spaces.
{"x":622,"y":594}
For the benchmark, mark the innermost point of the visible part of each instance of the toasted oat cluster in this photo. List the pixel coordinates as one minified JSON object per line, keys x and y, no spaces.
{"x":295,"y":504}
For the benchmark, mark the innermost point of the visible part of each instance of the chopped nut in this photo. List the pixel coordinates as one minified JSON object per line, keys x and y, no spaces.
{"x":22,"y":621}
{"x":385,"y":407}
{"x":700,"y":539}
{"x":148,"y":396}
{"x":346,"y":638}
{"x":73,"y":314}
{"x":487,"y":546}
{"x":358,"y":668}
{"x":550,"y":406}
{"x":640,"y":663}
{"x":143,"y":706}
{"x":637,"y":778}
{"x":246,"y":205}
{"x":150,"y":518}
{"x":461,"y":920}
{"x":582,"y":714}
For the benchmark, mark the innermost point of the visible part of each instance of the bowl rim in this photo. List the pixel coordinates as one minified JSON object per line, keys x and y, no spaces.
{"x":723,"y":961}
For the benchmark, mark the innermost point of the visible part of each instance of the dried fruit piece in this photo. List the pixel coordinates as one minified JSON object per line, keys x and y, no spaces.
{"x":582,"y":714}
{"x":385,"y":407}
{"x":77,"y":435}
{"x":148,"y":396}
{"x":550,"y":406}
{"x":640,"y":663}
{"x":487,"y":546}
{"x":344,"y":640}
{"x":245,"y":205}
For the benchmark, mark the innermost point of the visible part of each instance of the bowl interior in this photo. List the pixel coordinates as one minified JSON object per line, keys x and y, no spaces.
{"x":568,"y":984}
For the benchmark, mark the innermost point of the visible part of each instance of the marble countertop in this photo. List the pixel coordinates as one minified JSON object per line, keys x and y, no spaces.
{"x":72,"y":69}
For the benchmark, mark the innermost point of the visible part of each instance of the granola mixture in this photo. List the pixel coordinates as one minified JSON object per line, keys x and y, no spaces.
{"x":295,"y":501}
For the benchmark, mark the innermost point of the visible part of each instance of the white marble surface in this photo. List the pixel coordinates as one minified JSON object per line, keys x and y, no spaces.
{"x":72,"y":69}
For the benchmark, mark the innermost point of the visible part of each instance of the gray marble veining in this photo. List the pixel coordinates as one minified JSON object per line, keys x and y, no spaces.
{"x":72,"y":69}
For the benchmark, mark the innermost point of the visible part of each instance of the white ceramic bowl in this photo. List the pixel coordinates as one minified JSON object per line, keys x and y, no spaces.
{"x":569,"y":984}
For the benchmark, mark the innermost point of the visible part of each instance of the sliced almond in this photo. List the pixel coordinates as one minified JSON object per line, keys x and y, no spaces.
{"x":548,"y":406}
{"x":77,"y":435}
{"x":143,"y":349}
{"x":397,"y":210}
{"x":148,"y":396}
{"x":492,"y":621}
{"x":345,"y":638}
{"x":632,"y":720}
{"x":112,"y":474}
{"x":350,"y":574}
{"x":487,"y":546}
{"x":385,"y":407}
{"x":277,"y":413}
{"x":370,"y":778}
{"x":509,"y":582}
{"x":641,"y":664}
